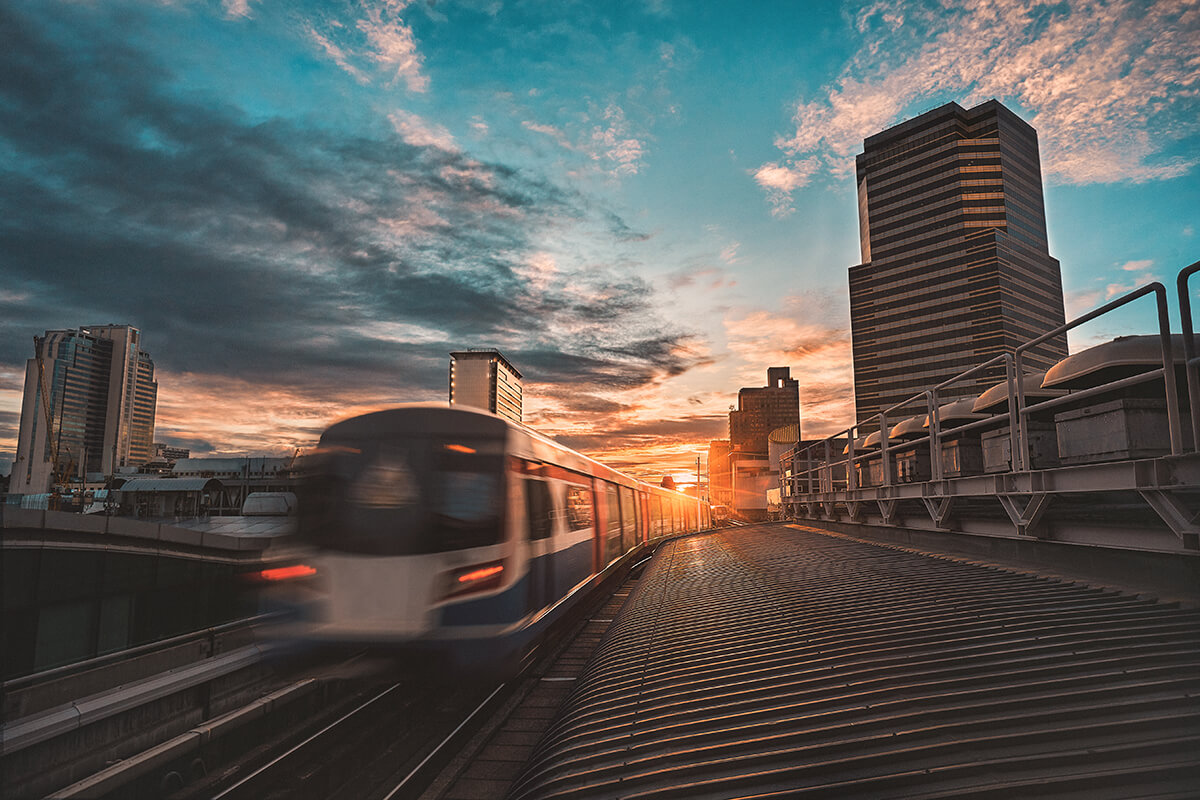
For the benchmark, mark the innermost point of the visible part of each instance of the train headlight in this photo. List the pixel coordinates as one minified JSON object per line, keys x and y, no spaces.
{"x":476,"y":578}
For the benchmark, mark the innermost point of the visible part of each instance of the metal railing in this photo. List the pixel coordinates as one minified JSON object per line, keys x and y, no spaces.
{"x":818,"y":469}
{"x":1189,"y":349}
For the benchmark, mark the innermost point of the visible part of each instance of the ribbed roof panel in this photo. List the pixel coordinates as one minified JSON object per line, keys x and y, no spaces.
{"x":778,"y":660}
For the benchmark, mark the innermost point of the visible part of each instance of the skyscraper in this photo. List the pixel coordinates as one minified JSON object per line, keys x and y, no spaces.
{"x":102,"y":401}
{"x":485,"y":379}
{"x":956,"y":268}
{"x":762,"y":410}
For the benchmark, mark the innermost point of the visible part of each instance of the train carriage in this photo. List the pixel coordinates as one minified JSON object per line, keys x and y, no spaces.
{"x":459,"y":534}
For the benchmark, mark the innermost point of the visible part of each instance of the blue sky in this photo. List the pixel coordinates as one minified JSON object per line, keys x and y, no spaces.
{"x":306,"y":206}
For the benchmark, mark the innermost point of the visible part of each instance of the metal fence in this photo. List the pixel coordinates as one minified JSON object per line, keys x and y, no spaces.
{"x":886,"y":457}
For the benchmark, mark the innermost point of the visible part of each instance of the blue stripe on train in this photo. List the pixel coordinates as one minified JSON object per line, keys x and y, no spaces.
{"x":570,"y":566}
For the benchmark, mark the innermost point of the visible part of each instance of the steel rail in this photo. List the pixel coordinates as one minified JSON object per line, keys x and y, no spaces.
{"x":446,"y":741}
{"x":230,"y":790}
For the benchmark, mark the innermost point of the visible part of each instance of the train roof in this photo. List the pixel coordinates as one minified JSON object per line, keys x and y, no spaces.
{"x":444,"y":419}
{"x":423,"y":417}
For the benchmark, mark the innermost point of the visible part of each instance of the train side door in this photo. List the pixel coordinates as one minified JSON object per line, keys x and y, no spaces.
{"x":612,"y":525}
{"x":539,"y":511}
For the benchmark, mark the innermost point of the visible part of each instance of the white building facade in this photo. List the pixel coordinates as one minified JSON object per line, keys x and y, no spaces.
{"x":485,"y":379}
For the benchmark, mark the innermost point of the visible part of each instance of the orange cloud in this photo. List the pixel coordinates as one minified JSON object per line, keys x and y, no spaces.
{"x":817,"y":351}
{"x":219,"y":415}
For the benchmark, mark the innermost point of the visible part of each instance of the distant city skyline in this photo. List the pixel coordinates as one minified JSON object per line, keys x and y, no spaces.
{"x":305,"y":206}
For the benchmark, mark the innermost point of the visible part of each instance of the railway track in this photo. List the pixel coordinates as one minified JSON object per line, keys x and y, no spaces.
{"x":375,"y":749}
{"x":390,"y":740}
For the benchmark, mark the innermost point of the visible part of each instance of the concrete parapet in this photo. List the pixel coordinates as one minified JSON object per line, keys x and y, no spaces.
{"x":51,"y":523}
{"x":14,"y":517}
{"x":47,"y":750}
{"x":177,"y":535}
{"x":83,"y":523}
{"x":183,"y":745}
{"x":124,"y":526}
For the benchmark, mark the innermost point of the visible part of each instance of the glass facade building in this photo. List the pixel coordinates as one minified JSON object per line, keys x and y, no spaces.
{"x":956,"y":267}
{"x":102,"y":400}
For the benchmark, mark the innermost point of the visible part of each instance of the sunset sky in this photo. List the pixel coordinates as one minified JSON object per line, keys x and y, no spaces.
{"x":305,"y":206}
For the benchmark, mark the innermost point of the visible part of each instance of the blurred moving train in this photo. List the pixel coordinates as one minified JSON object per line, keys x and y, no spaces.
{"x":460,"y":535}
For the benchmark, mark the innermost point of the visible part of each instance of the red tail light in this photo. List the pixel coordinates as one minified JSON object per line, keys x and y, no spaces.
{"x":477,"y":578}
{"x":281,"y":573}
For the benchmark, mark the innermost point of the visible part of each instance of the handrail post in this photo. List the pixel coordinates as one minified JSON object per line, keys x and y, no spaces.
{"x":851,"y":478}
{"x":1189,"y":349}
{"x":883,"y":448}
{"x":935,"y":434}
{"x":1022,"y":422}
{"x":1168,"y":356}
{"x":1015,"y":420}
{"x":829,"y":462}
{"x":808,"y":476}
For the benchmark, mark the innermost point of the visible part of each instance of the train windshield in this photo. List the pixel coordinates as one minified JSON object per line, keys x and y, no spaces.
{"x":406,"y":496}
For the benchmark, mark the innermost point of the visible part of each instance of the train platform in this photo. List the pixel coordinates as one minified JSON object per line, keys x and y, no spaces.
{"x":786,"y":660}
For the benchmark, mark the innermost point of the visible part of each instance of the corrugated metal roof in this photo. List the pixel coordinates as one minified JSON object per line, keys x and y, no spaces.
{"x":253,"y":465}
{"x":773,"y":661}
{"x":169,"y":484}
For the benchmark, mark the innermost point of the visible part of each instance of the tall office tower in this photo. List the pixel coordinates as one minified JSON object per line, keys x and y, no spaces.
{"x":762,"y":410}
{"x":103,"y":396}
{"x":484,"y":379}
{"x":956,"y":268}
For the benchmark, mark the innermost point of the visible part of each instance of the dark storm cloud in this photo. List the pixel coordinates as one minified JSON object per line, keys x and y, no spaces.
{"x":615,"y":365}
{"x":647,"y":434}
{"x":269,"y":249}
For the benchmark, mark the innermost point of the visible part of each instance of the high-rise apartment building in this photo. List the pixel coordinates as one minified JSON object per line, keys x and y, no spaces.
{"x":762,"y":410}
{"x":956,"y":268}
{"x":485,"y":379}
{"x":102,"y":400}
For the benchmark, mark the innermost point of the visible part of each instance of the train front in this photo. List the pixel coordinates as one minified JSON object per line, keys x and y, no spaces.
{"x":404,"y":512}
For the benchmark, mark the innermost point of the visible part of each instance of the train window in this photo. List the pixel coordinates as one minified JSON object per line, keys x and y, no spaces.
{"x":538,"y":507}
{"x":612,"y":539}
{"x":628,"y":520}
{"x":580,"y":515}
{"x":465,"y":496}
{"x":406,"y":495}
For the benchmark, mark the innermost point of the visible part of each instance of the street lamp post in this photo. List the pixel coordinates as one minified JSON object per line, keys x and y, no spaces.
{"x":698,"y":521}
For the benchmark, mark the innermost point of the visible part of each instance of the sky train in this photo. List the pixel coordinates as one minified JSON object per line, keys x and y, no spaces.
{"x":457,"y":534}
